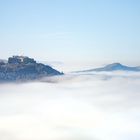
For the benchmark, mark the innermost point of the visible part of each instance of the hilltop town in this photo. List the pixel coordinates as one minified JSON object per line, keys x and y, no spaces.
{"x":24,"y":68}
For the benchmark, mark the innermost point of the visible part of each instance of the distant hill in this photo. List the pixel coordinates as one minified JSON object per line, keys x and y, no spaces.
{"x":114,"y":67}
{"x":21,"y":68}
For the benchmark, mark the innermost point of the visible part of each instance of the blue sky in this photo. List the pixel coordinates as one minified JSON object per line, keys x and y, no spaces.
{"x":80,"y":31}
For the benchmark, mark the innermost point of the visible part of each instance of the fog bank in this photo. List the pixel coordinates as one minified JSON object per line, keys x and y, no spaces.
{"x":86,"y":106}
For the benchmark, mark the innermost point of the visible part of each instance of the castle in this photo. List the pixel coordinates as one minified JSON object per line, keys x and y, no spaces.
{"x":20,"y":60}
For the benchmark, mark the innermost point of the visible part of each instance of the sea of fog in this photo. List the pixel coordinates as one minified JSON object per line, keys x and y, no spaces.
{"x":83,"y":106}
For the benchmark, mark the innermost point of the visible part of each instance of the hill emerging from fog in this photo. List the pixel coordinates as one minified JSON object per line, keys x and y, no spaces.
{"x":114,"y":67}
{"x":24,"y":68}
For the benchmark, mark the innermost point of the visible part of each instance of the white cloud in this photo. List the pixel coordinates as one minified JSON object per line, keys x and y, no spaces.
{"x":97,"y":106}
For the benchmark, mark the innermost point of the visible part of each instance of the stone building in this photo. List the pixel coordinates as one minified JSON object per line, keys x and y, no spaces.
{"x":20,"y":60}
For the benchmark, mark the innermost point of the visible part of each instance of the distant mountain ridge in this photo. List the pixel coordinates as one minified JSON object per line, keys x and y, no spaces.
{"x":21,"y":68}
{"x":114,"y":67}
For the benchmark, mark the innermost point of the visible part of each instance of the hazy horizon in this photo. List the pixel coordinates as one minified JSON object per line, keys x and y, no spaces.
{"x":75,"y":66}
